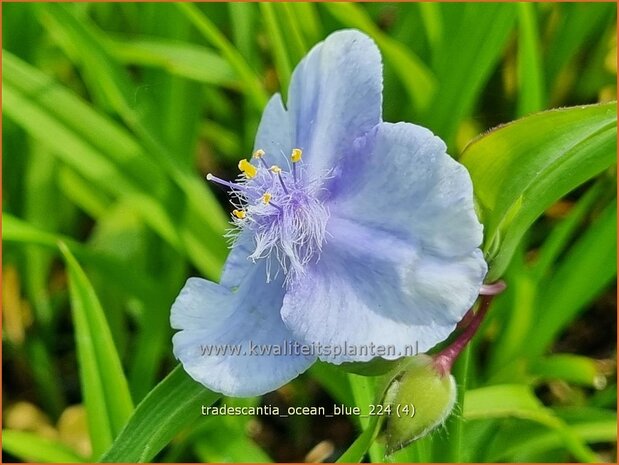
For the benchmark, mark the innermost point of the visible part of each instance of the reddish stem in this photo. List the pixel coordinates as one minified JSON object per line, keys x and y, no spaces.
{"x":445,"y":359}
{"x":492,"y":289}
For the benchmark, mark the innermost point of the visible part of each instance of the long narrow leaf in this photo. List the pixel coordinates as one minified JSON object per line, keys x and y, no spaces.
{"x":417,"y":79}
{"x":124,"y":278}
{"x":88,"y":46}
{"x":474,"y":37}
{"x":364,"y":395}
{"x":587,"y":270}
{"x":358,"y":449}
{"x":522,"y":168}
{"x":209,"y":31}
{"x":180,"y":58}
{"x":109,"y":157}
{"x":104,"y":386}
{"x":517,"y":401}
{"x":280,"y":51}
{"x":530,"y":73}
{"x":575,"y":369}
{"x":171,"y":406}
{"x":31,"y":447}
{"x":293,"y":26}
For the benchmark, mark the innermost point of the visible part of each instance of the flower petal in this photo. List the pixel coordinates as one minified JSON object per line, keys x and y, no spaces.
{"x":238,"y":264}
{"x":402,"y":181}
{"x":335,"y":96}
{"x":274,"y":132}
{"x":213,"y":317}
{"x":371,"y":287}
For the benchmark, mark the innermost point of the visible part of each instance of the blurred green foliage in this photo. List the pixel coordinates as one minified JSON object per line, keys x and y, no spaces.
{"x":113,"y":113}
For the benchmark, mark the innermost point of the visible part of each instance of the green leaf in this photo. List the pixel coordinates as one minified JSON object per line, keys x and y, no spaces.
{"x":81,"y":193}
{"x":473,"y":41}
{"x":571,"y":368}
{"x":181,"y":58}
{"x":96,"y":146}
{"x":451,"y":445}
{"x":104,"y":386}
{"x":225,"y":444}
{"x":587,"y":269}
{"x":174,"y":102}
{"x":223,"y":139}
{"x":308,"y":20}
{"x":74,"y":149}
{"x":198,"y":211}
{"x":357,"y":450}
{"x":579,"y":24}
{"x":125,"y":277}
{"x":89,"y":47}
{"x":334,"y":381}
{"x":432,"y":22}
{"x":518,"y":401}
{"x":109,"y":157}
{"x":31,"y":447}
{"x":84,"y":44}
{"x":363,"y":389}
{"x":251,"y":83}
{"x":522,"y":168}
{"x":530,"y":72}
{"x":294,"y":25}
{"x":280,"y":51}
{"x":44,"y":206}
{"x":417,"y":79}
{"x":171,"y":406}
{"x":152,"y":338}
{"x":562,"y":233}
{"x":500,"y":401}
{"x":243,"y":21}
{"x":516,"y":438}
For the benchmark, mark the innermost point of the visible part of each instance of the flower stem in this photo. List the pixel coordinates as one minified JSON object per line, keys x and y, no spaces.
{"x":493,"y":288}
{"x":455,"y":425}
{"x":445,"y":359}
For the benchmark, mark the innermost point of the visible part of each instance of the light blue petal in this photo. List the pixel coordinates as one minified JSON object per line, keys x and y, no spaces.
{"x":402,"y":181}
{"x":274,"y":134}
{"x":335,"y":98}
{"x":238,"y":264}
{"x":371,"y":287}
{"x":210,"y":315}
{"x":401,"y":265}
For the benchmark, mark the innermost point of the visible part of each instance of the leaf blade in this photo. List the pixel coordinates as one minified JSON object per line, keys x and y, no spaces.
{"x":518,"y":401}
{"x":530,"y":72}
{"x":418,"y":80}
{"x":31,"y":447}
{"x":588,"y":269}
{"x":212,"y":34}
{"x":542,"y":157}
{"x":104,"y":386}
{"x":173,"y":404}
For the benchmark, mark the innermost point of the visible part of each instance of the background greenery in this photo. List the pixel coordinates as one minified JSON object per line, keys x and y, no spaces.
{"x":113,"y":113}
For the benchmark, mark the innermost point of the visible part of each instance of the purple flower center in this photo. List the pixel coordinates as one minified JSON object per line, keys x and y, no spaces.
{"x":282,"y":210}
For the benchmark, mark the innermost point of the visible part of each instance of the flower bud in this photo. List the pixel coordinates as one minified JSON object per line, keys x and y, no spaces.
{"x":419,"y":399}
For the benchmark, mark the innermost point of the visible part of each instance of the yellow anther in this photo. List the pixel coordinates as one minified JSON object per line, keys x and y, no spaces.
{"x":266,"y":198}
{"x":276,"y":169}
{"x":248,"y":169}
{"x":240,"y":214}
{"x":259,"y":153}
{"x":296,"y":155}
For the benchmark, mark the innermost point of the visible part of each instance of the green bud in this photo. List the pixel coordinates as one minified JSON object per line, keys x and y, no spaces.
{"x":419,"y":399}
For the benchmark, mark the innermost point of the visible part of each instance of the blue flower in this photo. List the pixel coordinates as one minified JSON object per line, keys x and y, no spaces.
{"x":348,"y":231}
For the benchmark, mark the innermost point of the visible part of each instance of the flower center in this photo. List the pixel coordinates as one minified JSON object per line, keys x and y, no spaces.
{"x":281,"y":209}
